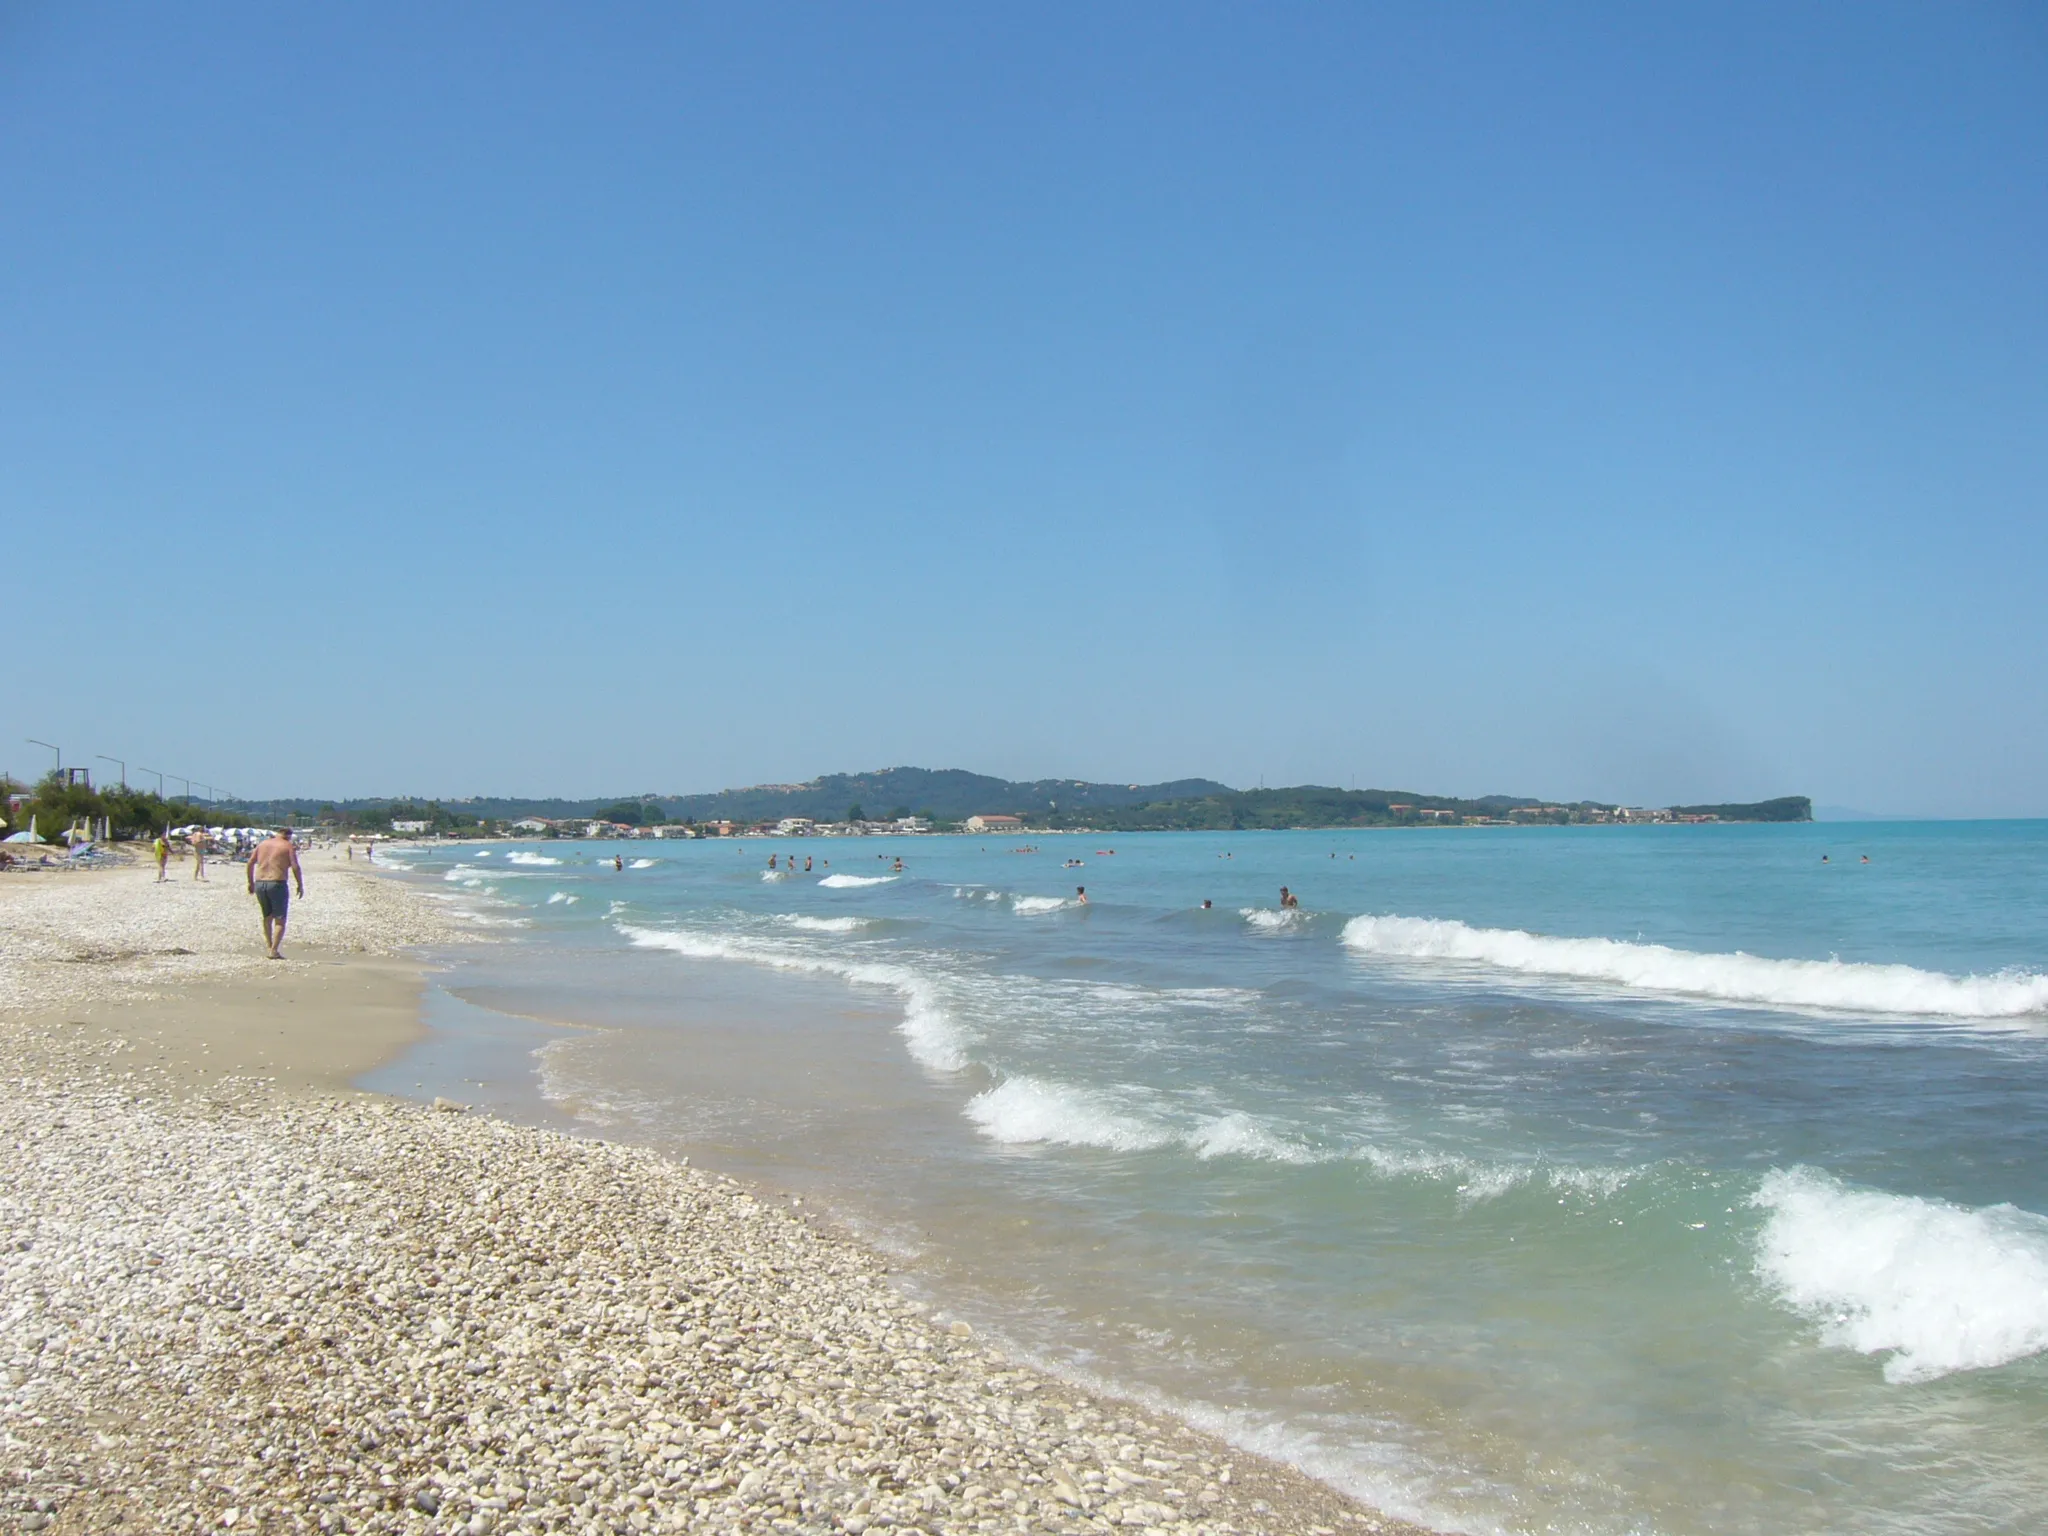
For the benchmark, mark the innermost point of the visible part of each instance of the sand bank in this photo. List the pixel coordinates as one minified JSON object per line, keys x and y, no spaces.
{"x":235,"y":1296}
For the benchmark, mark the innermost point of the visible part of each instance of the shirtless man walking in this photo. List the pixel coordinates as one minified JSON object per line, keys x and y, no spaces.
{"x":274,"y":859}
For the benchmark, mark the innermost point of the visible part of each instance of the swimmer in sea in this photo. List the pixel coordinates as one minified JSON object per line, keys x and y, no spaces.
{"x":1823,"y":858}
{"x":1207,"y":903}
{"x":1866,"y":858}
{"x":897,"y":867}
{"x":1081,"y":895}
{"x":807,"y":863}
{"x":1288,"y":900}
{"x":618,"y":861}
{"x":772,"y":858}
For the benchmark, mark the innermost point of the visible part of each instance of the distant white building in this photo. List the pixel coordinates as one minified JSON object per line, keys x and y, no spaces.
{"x":912,"y":824}
{"x":411,"y":828}
{"x":992,"y":823}
{"x":794,"y":826}
{"x":531,"y":824}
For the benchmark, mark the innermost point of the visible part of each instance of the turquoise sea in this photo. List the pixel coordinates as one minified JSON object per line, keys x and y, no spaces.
{"x":1590,"y":1180}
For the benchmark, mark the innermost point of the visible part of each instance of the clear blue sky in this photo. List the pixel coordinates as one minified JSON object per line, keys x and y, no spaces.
{"x":1641,"y":402}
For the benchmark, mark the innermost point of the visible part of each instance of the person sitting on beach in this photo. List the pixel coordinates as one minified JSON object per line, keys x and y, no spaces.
{"x":273,"y":859}
{"x":1288,"y":900}
{"x":162,"y":849}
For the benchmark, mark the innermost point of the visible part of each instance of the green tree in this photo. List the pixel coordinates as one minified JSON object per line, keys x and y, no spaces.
{"x":855,"y":813}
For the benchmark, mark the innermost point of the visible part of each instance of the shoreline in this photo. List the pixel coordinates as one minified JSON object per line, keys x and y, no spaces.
{"x":224,"y":1268}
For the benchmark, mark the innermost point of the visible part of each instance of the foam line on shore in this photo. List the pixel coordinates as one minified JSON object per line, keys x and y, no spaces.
{"x":1836,"y":985}
{"x":1025,"y":1110}
{"x":935,"y":1040}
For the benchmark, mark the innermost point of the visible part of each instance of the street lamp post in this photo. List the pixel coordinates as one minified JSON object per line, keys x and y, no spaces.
{"x":52,"y":746}
{"x":117,"y":763}
{"x":208,"y":788}
{"x":159,"y":779}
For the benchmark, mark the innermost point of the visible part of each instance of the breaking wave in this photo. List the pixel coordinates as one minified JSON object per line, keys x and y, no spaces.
{"x":564,"y":897}
{"x":1735,"y":978}
{"x":643,"y":863}
{"x":1033,"y":906}
{"x":847,"y":882}
{"x":1271,"y":919}
{"x":1938,"y":1287}
{"x":1035,"y":1111}
{"x":521,"y":856}
{"x":934,"y":1039}
{"x":1025,"y":1111}
{"x":823,"y":924}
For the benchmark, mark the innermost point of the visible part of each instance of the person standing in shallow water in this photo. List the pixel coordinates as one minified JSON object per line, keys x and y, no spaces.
{"x":273,"y":860}
{"x":1288,"y":900}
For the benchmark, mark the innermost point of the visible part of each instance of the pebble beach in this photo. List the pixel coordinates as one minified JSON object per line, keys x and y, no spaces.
{"x":234,"y":1298}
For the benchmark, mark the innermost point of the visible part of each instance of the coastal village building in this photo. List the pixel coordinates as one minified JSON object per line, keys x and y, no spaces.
{"x":411,"y":828}
{"x":995,"y":823}
{"x":532,"y":824}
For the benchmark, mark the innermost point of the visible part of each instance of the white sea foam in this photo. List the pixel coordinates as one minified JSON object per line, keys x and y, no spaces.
{"x":1028,"y":1111}
{"x":1271,"y":919}
{"x":1033,"y":906}
{"x":643,"y":863}
{"x":1477,"y":1179}
{"x":929,"y":1031}
{"x":847,"y":882}
{"x":1940,"y":1287}
{"x":776,"y":874}
{"x":564,"y":897}
{"x":1737,"y":978}
{"x":484,"y":854}
{"x":1023,"y":1111}
{"x":823,"y":924}
{"x":521,"y":856}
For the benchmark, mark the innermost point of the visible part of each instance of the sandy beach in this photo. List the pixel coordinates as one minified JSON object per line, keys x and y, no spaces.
{"x":237,"y":1294}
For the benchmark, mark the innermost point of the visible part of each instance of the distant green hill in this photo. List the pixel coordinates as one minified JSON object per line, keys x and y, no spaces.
{"x":1786,"y":808}
{"x":952,"y":794}
{"x":1312,"y":805}
{"x":946,"y":794}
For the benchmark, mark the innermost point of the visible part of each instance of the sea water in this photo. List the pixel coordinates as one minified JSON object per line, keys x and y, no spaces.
{"x":1604,"y":1180}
